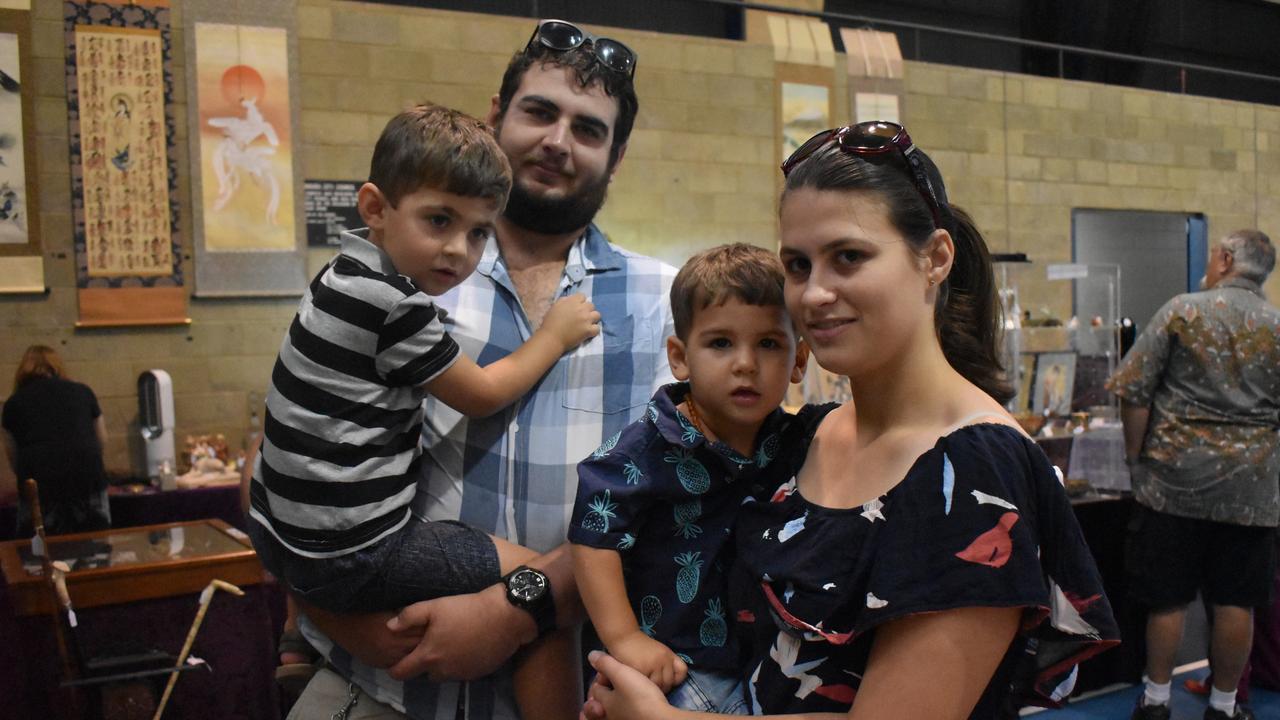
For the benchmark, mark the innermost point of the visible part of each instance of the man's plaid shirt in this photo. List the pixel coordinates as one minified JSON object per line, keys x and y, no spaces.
{"x":514,"y":474}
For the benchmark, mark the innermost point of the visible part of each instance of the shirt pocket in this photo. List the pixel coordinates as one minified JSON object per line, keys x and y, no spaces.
{"x":611,"y":373}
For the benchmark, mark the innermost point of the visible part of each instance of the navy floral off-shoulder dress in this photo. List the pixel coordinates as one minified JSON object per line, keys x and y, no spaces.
{"x":980,"y":520}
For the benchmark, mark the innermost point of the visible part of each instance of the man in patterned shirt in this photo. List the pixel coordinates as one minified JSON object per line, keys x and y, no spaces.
{"x":1201,"y":409}
{"x":563,"y":116}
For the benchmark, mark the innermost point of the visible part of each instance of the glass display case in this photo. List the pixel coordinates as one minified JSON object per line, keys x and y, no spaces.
{"x":1059,"y":363}
{"x":124,"y":565}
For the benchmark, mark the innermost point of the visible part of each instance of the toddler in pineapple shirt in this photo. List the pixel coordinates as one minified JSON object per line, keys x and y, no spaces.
{"x":665,"y":498}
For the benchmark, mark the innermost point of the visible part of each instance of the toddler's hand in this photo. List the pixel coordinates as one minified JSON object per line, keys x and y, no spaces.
{"x":571,"y":320}
{"x":651,"y":658}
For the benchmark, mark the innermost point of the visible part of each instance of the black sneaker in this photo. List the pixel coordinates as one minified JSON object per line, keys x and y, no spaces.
{"x":1151,"y":712}
{"x":1242,"y":713}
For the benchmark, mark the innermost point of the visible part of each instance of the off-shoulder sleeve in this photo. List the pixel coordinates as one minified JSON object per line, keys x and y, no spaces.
{"x":983,"y":522}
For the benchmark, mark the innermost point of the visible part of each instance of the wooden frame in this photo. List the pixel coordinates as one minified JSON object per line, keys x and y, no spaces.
{"x":18,"y":23}
{"x":1055,"y":383}
{"x":1026,"y":376}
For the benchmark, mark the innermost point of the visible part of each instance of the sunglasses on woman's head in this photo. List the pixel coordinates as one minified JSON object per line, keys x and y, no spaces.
{"x":562,"y":36}
{"x":869,"y":140}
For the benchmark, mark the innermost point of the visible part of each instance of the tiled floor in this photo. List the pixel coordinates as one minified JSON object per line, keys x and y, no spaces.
{"x":1118,"y":704}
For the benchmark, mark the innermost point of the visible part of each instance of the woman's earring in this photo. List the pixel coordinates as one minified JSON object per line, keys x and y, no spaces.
{"x":931,"y":282}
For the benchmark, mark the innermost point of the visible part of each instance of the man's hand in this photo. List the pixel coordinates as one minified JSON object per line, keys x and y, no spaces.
{"x":366,"y":636}
{"x":652,"y":658}
{"x":464,"y":637}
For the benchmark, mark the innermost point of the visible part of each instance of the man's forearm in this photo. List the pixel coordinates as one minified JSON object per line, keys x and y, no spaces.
{"x":1135,"y":419}
{"x":558,"y":567}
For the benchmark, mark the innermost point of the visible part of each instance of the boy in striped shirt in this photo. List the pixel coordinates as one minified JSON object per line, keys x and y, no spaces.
{"x":331,"y":488}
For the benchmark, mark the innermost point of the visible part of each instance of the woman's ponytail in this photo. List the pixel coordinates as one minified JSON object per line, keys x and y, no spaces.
{"x":968,"y":315}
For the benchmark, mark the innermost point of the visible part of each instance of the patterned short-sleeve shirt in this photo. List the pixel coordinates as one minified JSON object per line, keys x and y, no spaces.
{"x":666,"y":499}
{"x":340,"y":453}
{"x":514,"y":473}
{"x":1208,"y":366}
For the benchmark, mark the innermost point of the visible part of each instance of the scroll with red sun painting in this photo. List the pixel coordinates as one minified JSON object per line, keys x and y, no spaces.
{"x":242,"y":144}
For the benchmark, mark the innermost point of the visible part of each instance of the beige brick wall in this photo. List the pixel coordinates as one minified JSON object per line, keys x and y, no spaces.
{"x":1019,"y":152}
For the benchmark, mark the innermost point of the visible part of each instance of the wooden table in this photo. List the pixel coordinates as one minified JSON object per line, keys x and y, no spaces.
{"x":110,"y":567}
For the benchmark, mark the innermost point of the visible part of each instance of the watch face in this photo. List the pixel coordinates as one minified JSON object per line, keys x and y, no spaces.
{"x":528,"y":585}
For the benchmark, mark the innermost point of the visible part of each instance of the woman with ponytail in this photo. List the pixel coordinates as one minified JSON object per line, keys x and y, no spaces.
{"x":919,"y":558}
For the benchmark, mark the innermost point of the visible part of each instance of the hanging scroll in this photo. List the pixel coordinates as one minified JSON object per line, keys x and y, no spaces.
{"x":21,"y":265}
{"x":123,"y":180}
{"x":248,"y":240}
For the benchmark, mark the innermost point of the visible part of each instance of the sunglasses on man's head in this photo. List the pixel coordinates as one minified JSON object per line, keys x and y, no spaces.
{"x":869,"y":140}
{"x":562,"y":36}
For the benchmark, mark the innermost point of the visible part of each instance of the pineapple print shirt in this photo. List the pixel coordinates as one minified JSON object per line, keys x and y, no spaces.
{"x":980,"y":520}
{"x":1208,"y":366}
{"x":666,"y":499}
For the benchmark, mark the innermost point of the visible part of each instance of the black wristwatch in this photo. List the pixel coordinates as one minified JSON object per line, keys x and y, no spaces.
{"x":530,"y":590}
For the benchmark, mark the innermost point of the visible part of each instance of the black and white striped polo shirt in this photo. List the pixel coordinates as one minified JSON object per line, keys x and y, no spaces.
{"x":340,"y":455}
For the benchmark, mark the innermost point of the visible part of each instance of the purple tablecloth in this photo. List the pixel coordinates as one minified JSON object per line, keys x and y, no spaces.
{"x":153,"y":507}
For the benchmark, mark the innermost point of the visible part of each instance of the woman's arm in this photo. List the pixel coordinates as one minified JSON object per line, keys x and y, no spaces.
{"x":934,"y":666}
{"x":623,"y":693}
{"x":9,"y":491}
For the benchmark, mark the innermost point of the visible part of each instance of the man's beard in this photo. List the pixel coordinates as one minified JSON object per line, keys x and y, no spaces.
{"x":556,"y":216}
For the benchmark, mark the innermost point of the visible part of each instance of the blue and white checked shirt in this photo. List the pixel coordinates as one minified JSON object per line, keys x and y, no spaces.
{"x":515,"y":474}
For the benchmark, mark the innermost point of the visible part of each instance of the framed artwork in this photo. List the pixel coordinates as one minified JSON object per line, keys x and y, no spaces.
{"x":1026,"y":375}
{"x":124,"y":179}
{"x":21,"y":263}
{"x":805,"y":112}
{"x":246,"y":187}
{"x":246,"y":156}
{"x":124,"y":167}
{"x":1054,"y":383}
{"x":15,"y":138}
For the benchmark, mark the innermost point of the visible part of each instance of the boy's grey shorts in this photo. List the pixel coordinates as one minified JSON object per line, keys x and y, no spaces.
{"x":421,"y":561}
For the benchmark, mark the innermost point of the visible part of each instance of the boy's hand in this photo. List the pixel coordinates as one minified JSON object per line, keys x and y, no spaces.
{"x":571,"y":320}
{"x":651,"y":658}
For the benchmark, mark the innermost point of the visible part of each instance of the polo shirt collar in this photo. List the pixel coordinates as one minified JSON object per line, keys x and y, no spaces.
{"x":679,"y":430}
{"x":356,"y":245}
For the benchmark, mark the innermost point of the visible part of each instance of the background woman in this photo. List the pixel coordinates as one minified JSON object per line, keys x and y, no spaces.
{"x":54,"y":432}
{"x":922,"y":560}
